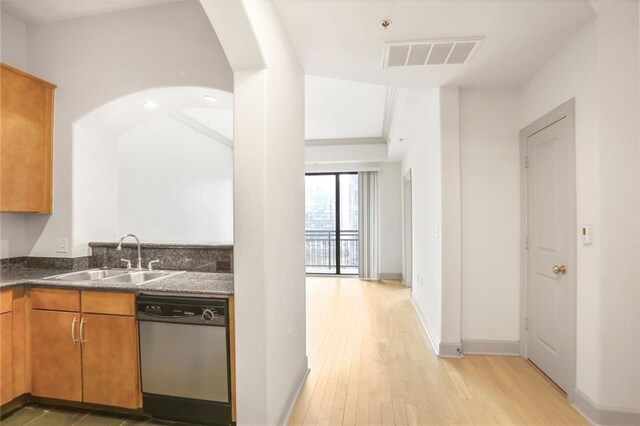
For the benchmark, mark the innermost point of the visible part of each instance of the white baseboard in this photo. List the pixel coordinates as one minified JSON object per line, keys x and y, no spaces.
{"x":491,"y":347}
{"x":599,"y":415}
{"x":296,"y":389}
{"x":450,"y":350}
{"x":390,"y":275}
{"x":429,"y":331}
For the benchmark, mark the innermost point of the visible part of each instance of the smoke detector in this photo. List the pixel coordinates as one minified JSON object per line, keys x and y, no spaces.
{"x":430,"y":52}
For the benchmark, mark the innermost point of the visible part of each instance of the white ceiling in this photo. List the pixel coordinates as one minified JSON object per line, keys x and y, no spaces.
{"x":342,"y":39}
{"x":339,"y":109}
{"x":218,"y":119}
{"x":186,"y":104}
{"x":43,"y":11}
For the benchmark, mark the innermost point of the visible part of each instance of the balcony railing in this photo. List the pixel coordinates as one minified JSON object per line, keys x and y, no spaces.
{"x":321,"y":251}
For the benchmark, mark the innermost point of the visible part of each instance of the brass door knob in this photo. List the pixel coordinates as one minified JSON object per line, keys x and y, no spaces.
{"x":560,"y":270}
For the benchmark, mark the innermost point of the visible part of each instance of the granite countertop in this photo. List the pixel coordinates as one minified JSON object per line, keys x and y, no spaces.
{"x":167,"y":245}
{"x":204,"y":283}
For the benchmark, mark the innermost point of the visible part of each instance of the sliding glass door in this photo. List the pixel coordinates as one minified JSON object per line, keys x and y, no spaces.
{"x":331,"y":221}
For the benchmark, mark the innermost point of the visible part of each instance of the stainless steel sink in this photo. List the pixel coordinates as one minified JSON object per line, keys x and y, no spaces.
{"x":90,"y":275}
{"x":140,"y":277}
{"x":123,"y":276}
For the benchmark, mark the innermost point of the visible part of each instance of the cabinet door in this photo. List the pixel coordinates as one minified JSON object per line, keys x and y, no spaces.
{"x":55,"y":356}
{"x":25,"y":142}
{"x":110,"y":360}
{"x":6,"y":376}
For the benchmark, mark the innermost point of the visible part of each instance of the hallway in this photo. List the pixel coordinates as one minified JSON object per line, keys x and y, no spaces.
{"x":371,"y":363}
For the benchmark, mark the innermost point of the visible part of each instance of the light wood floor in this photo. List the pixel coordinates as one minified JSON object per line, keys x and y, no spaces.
{"x":372,"y":364}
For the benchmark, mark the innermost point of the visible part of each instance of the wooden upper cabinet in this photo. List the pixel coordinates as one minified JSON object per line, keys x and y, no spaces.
{"x":26,"y":142}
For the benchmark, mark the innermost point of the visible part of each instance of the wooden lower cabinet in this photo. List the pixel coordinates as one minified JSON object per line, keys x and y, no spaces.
{"x":110,"y":373}
{"x":55,"y":355}
{"x":6,"y":358}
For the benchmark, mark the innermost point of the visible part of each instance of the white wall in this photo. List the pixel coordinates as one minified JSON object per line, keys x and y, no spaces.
{"x":174,"y":184}
{"x":13,"y":51}
{"x":336,"y":109}
{"x":95,"y":187}
{"x":419,"y":126}
{"x":97,"y":59}
{"x":570,"y":73}
{"x":346,"y":153}
{"x":13,"y":35}
{"x":390,"y":219}
{"x":268,"y":208}
{"x":618,"y":76}
{"x":599,"y":67}
{"x":451,"y":218}
{"x":490,"y":181}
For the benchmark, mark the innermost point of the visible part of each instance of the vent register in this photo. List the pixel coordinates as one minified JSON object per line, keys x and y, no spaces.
{"x":440,"y":52}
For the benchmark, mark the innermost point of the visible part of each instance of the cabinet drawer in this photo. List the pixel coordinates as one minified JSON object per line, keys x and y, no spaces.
{"x":108,"y":302}
{"x":6,"y":300}
{"x":55,"y":299}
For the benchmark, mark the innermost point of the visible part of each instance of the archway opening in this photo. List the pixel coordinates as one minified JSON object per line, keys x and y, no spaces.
{"x":157,"y":163}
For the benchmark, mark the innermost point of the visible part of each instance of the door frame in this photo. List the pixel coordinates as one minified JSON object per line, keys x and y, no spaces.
{"x":567,"y":111}
{"x":407,"y":229}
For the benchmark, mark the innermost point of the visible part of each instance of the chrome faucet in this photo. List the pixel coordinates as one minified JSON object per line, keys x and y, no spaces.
{"x":138,"y":240}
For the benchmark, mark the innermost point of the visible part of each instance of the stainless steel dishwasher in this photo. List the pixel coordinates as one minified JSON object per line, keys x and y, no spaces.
{"x":184,"y":358}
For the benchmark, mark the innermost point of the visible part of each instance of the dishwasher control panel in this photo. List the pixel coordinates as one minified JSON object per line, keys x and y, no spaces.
{"x":185,"y":310}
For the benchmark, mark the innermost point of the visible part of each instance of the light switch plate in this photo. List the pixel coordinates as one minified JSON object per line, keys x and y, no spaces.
{"x":62,"y":245}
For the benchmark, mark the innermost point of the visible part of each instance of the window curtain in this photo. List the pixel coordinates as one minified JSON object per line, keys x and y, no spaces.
{"x":368,"y":224}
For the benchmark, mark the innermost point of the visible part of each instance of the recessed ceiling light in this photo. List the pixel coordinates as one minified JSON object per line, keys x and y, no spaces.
{"x":150,"y":104}
{"x":210,"y":98}
{"x":385,"y":23}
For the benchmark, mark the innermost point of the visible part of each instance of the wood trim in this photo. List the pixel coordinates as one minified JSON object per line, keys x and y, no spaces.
{"x":6,"y":300}
{"x":6,"y":358}
{"x":47,"y":161}
{"x":603,"y":415}
{"x":27,"y":323}
{"x":19,"y":343}
{"x":26,"y":74}
{"x":232,"y":351}
{"x":491,"y":347}
{"x":55,"y":299}
{"x":108,"y":302}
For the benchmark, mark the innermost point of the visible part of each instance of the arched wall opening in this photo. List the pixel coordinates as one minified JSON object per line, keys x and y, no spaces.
{"x":96,"y":59}
{"x":157,"y":163}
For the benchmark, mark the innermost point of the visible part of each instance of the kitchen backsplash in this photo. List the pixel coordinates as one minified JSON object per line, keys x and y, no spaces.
{"x":189,"y":257}
{"x":62,"y":263}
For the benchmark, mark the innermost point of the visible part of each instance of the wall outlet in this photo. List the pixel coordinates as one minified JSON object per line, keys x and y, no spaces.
{"x":62,"y":245}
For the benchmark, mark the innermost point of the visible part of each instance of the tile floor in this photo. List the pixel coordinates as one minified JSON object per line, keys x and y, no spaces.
{"x":36,"y":415}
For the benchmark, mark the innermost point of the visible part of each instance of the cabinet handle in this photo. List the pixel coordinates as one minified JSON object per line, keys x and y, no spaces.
{"x":82,"y":339}
{"x":73,"y":330}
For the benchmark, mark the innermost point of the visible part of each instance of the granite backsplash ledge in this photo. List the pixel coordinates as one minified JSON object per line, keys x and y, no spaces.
{"x":61,"y":263}
{"x":183,"y":257}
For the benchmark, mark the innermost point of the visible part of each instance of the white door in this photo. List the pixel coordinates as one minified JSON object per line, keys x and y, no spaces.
{"x":549,"y":233}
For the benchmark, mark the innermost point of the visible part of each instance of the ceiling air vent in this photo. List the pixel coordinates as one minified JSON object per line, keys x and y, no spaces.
{"x":429,"y":52}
